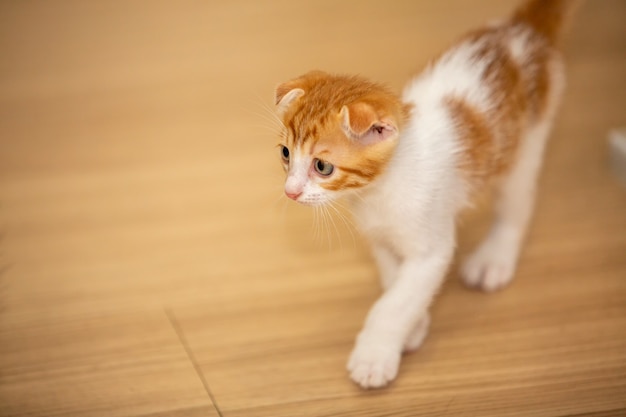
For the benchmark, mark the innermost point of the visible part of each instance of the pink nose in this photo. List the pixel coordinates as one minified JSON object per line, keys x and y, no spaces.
{"x":293,"y":195}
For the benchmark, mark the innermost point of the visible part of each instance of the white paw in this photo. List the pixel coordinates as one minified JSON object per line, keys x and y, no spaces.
{"x":373,"y":366}
{"x":491,"y":267}
{"x":417,"y":335}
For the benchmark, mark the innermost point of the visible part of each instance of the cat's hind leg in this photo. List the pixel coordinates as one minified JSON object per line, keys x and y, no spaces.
{"x":492,"y":265}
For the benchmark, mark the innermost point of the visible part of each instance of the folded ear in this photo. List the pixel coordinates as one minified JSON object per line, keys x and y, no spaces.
{"x":286,"y":94}
{"x":361,"y":123}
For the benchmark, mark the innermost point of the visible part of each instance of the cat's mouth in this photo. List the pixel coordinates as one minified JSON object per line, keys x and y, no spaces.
{"x":311,"y":201}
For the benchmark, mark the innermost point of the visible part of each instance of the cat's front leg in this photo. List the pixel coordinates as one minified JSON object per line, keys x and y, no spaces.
{"x":388,"y":264}
{"x":375,"y":360}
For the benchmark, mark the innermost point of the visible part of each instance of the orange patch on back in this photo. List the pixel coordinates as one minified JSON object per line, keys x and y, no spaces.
{"x":491,"y":136}
{"x":477,"y":138}
{"x":519,"y":89}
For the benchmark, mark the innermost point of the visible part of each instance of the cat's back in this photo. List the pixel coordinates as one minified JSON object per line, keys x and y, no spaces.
{"x":484,"y":93}
{"x":485,"y":64}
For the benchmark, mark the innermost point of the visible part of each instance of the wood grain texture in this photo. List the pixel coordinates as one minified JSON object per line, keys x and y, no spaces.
{"x":150,"y":267}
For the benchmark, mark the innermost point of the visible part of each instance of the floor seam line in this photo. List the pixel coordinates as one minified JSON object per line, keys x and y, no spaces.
{"x":183,"y":341}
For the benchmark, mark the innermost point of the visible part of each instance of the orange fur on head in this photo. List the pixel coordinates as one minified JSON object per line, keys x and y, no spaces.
{"x":347,"y":121}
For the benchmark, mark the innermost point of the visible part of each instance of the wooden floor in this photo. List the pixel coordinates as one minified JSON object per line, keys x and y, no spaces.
{"x":150,"y":267}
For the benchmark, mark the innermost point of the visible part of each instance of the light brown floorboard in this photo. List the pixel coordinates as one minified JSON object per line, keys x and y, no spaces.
{"x":125,"y":365}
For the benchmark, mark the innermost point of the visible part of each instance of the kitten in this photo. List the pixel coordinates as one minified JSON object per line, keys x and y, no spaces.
{"x":479,"y":115}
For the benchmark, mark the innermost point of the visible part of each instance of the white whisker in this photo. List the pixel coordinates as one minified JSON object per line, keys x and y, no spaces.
{"x":346,"y":221}
{"x":315,"y":225}
{"x":331,"y":220}
{"x":269,"y":111}
{"x":284,"y":208}
{"x":326,"y":226}
{"x":275,"y":123}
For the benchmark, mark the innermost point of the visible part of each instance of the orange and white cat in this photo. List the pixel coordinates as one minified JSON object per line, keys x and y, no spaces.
{"x":479,"y":115}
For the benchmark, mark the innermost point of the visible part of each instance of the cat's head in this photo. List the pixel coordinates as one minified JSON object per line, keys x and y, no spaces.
{"x":339,"y":134}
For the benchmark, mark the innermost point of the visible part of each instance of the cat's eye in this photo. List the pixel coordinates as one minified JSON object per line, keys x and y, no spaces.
{"x":284,"y":153}
{"x":323,"y":168}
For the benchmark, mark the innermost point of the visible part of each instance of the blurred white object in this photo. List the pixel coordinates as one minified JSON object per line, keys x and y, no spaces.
{"x":617,"y":152}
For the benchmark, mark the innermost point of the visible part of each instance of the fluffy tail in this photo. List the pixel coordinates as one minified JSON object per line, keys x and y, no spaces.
{"x":548,"y":17}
